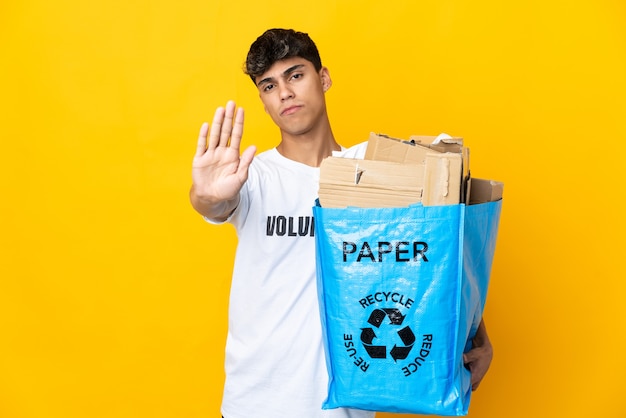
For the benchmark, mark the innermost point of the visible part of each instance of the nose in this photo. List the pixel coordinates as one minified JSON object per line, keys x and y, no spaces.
{"x":285,"y":91}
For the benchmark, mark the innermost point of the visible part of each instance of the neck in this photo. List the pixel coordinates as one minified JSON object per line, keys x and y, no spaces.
{"x":308,"y":148}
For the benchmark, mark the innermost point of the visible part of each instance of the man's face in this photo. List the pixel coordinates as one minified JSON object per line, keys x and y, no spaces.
{"x":292,"y":92}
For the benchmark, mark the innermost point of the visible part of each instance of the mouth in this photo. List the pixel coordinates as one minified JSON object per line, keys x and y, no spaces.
{"x":289,"y":110}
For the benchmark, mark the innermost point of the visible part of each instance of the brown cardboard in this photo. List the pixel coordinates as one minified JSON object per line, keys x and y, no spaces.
{"x":383,"y":148}
{"x":482,"y":191}
{"x":398,"y":173}
{"x":449,"y":159}
{"x":386,"y":148}
{"x":442,"y":179}
{"x":444,"y":144}
{"x":368,"y":183}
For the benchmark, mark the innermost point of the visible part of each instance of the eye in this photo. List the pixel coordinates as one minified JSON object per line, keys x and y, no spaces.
{"x":296,"y":76}
{"x":268,"y":87}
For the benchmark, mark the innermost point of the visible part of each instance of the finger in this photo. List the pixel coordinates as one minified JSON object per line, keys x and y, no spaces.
{"x":474,"y":381}
{"x":476,"y":378}
{"x":216,"y":127}
{"x":201,"y":147}
{"x":235,"y":137}
{"x":244,"y":162}
{"x":227,"y":126}
{"x":246,"y":158}
{"x":471,"y":356}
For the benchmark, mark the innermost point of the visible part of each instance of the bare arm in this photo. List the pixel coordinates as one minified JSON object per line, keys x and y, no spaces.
{"x":218,"y":171}
{"x":478,"y":359}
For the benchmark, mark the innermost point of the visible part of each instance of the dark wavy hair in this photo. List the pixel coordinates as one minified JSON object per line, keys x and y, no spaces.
{"x":278,"y":44}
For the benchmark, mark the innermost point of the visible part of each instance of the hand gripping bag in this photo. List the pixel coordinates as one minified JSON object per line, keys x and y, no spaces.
{"x":401,"y":293}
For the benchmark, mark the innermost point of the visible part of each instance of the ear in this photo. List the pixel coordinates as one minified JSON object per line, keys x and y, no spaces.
{"x":327,"y":82}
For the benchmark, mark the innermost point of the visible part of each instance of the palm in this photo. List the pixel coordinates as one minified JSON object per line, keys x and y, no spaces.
{"x":218,"y":171}
{"x":215,"y":173}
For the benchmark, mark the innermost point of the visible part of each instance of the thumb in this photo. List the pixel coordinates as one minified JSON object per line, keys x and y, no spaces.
{"x":470,"y":356}
{"x":246,"y":158}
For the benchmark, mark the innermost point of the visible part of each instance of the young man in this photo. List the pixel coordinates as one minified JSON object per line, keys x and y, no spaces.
{"x":275,"y":364}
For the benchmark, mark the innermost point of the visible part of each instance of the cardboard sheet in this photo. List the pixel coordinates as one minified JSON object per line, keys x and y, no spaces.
{"x":394,"y":173}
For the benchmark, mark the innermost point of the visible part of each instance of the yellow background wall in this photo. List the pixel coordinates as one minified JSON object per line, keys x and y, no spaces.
{"x":113,"y":291}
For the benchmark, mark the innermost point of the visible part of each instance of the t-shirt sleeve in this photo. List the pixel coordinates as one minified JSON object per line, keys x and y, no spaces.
{"x":356,"y":151}
{"x":235,"y":217}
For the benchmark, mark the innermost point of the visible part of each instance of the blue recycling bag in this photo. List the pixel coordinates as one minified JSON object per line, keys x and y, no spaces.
{"x":402,"y":291}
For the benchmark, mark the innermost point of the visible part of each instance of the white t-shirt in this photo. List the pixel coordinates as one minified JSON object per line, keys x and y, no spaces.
{"x":275,"y":365}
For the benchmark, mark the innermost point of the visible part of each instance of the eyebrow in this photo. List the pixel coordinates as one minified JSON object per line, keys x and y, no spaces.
{"x":285,"y":73}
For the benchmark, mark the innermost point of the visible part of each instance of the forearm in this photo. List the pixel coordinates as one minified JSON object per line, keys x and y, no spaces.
{"x":218,"y":210}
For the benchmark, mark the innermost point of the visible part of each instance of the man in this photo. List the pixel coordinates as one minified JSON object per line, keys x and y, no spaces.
{"x":275,"y":364}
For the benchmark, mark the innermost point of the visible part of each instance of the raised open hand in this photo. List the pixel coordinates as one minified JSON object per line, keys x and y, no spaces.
{"x":218,"y":169}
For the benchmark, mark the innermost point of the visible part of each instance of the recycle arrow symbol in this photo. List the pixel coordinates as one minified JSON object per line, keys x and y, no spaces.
{"x":376,"y":317}
{"x":375,"y":351}
{"x":408,"y":338}
{"x":380,"y":351}
{"x":394,"y":315}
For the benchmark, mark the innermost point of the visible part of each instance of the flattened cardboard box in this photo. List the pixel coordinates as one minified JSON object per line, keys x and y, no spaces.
{"x":483,"y":191}
{"x":385,"y":148}
{"x":419,"y":149}
{"x":368,"y":183}
{"x":397,"y":173}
